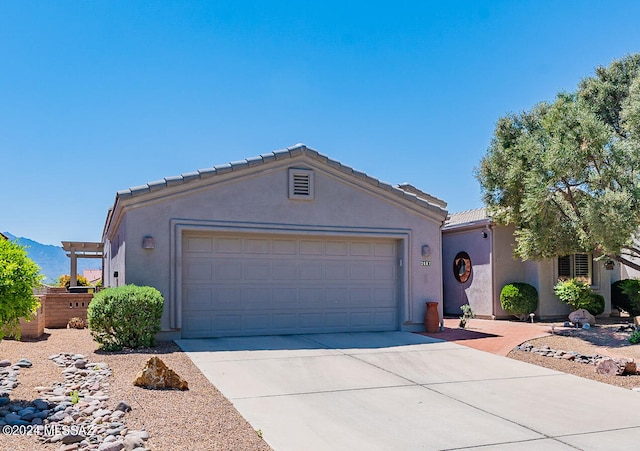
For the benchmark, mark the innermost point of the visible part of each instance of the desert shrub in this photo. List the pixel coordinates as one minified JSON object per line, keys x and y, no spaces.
{"x":631,"y":289}
{"x":519,"y":299}
{"x":634,"y":338}
{"x":578,"y":295}
{"x":65,"y":281}
{"x":125,"y":317}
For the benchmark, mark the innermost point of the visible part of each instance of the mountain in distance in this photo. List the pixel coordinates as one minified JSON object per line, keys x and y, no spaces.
{"x":52,"y":260}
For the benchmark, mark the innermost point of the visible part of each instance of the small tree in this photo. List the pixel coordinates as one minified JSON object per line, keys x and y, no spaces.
{"x":18,"y":277}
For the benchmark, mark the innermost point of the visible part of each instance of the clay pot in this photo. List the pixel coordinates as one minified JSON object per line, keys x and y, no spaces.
{"x":432,"y":318}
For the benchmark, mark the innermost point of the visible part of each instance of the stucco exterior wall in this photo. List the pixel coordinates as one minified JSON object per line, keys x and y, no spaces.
{"x":476,"y":291}
{"x":258,"y":201}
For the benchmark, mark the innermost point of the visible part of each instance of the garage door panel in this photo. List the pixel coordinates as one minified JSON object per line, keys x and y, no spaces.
{"x":384,"y":271}
{"x":311,"y":271}
{"x":227,"y":323}
{"x":257,"y":323}
{"x":284,"y":271}
{"x":228,"y":271}
{"x":259,"y":271}
{"x":198,"y":270}
{"x":284,"y":298}
{"x":198,"y":298}
{"x":361,"y":271}
{"x":198,"y":323}
{"x":285,"y":321}
{"x":254,"y":285}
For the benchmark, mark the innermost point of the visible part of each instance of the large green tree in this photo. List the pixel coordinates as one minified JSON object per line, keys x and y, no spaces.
{"x":567,"y":172}
{"x":18,"y":276}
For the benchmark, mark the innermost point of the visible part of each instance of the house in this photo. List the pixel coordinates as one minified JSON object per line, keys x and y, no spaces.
{"x":478,"y":262}
{"x":93,"y":276}
{"x":287,"y":242}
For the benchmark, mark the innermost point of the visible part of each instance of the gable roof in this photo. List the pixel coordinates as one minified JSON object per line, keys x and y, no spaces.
{"x":404,"y":191}
{"x":467,"y":218}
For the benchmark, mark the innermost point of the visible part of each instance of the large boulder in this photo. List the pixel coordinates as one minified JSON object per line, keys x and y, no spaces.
{"x":582,"y":316}
{"x":157,"y":375}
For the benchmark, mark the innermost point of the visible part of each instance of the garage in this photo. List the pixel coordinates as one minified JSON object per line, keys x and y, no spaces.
{"x":251,"y":284}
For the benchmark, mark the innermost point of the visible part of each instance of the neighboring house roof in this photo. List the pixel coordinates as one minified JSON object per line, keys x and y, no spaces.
{"x":468,"y":218}
{"x":404,"y":191}
{"x":92,"y":275}
{"x":2,"y":235}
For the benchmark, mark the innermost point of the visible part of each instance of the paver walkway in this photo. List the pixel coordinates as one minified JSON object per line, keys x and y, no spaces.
{"x":498,"y":337}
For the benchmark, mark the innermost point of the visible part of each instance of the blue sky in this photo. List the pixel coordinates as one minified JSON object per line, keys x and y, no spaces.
{"x":97,"y":96}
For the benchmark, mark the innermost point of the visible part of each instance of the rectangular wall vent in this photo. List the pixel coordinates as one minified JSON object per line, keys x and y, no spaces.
{"x":300,"y":184}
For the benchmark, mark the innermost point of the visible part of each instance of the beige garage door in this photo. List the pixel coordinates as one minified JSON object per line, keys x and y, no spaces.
{"x":266,"y":285}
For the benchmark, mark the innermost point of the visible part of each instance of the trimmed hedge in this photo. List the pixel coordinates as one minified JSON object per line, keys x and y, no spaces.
{"x":125,"y":317}
{"x":519,"y":299}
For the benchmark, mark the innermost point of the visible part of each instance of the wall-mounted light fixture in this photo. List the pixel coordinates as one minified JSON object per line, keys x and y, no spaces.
{"x":484,"y":234}
{"x":426,"y":250}
{"x":148,"y":242}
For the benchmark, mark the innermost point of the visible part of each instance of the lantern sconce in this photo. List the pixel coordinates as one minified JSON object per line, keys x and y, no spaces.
{"x":484,"y":234}
{"x":148,"y":242}
{"x":426,"y":250}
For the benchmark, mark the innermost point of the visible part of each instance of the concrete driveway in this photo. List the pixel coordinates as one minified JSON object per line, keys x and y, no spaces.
{"x":402,"y":391}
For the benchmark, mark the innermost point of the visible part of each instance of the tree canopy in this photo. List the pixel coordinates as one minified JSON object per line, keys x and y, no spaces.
{"x":18,"y":276}
{"x":567,"y":172}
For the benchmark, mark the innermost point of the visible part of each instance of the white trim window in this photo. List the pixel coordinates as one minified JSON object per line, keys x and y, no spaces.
{"x":576,"y":266}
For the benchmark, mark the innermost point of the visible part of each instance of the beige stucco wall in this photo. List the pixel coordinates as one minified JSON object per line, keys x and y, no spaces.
{"x":476,"y":291}
{"x":257,"y":201}
{"x":494,"y":266}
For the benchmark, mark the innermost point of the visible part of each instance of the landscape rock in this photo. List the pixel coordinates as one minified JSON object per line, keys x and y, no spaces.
{"x":157,"y":375}
{"x":582,"y":316}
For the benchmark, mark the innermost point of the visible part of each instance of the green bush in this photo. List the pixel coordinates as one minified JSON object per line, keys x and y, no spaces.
{"x":18,"y":277}
{"x":125,"y":317}
{"x":595,"y":303}
{"x":631,"y":289}
{"x":621,"y":300}
{"x":519,"y":299}
{"x":578,"y":295}
{"x":634,"y":338}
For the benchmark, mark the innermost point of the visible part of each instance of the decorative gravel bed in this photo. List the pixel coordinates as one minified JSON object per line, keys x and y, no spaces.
{"x":602,"y":340}
{"x":197,"y":419}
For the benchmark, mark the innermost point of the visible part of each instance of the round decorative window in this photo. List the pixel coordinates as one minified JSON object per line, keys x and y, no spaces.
{"x":462,"y":267}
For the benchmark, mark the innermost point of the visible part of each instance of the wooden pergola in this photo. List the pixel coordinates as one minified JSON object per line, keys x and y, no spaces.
{"x":80,"y":249}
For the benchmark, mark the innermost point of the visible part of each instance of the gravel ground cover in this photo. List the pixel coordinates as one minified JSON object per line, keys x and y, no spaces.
{"x":197,"y":419}
{"x":605,"y":339}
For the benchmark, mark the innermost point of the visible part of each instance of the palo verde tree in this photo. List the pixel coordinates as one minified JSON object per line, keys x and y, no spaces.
{"x":18,"y":276}
{"x":567,"y":173}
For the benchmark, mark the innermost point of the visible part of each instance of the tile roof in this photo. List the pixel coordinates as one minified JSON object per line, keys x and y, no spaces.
{"x":467,"y":217}
{"x":405,"y":190}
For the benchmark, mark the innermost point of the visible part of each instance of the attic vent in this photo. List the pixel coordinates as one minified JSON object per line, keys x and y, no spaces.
{"x":300,"y":184}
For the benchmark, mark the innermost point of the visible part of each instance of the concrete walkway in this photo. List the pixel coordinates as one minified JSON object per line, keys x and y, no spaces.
{"x":403,"y":391}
